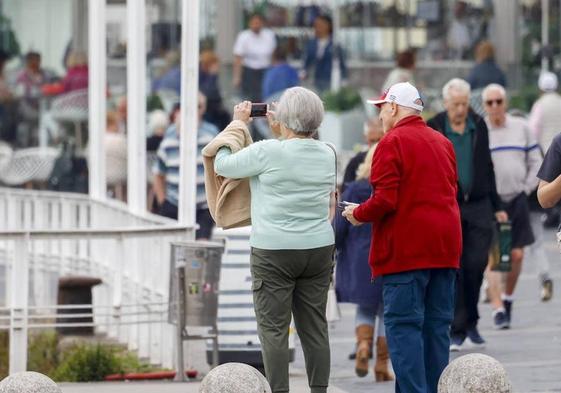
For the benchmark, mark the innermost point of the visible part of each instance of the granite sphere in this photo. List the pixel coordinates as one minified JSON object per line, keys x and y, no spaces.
{"x":28,"y":382}
{"x":474,"y":373}
{"x":234,"y":378}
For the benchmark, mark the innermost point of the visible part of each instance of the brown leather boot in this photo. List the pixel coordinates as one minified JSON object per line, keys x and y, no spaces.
{"x":364,"y":336}
{"x":381,"y":369}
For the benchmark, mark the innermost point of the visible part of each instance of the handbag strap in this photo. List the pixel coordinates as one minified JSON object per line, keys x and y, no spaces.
{"x":336,"y":191}
{"x":330,"y":145}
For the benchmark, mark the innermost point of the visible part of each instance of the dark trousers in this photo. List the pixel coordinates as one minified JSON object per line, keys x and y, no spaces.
{"x":252,"y":82}
{"x":418,"y":309}
{"x":285,"y":283}
{"x":204,"y":219}
{"x":477,"y":238}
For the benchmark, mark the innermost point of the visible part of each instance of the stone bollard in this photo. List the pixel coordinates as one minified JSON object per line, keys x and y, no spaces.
{"x":234,"y":378}
{"x":474,"y":373}
{"x":28,"y":382}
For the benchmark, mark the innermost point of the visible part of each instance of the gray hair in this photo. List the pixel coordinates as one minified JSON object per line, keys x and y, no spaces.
{"x":458,"y":85}
{"x":300,"y":110}
{"x":493,"y":87}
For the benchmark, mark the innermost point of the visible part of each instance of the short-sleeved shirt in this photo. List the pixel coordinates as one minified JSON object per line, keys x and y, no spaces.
{"x":255,"y":49}
{"x":551,"y":165}
{"x":169,"y":158}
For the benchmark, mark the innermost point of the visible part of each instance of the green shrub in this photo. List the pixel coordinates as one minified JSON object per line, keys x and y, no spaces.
{"x":43,"y":353}
{"x":79,"y":363}
{"x":343,"y":100}
{"x":87,"y":363}
{"x":4,"y":354}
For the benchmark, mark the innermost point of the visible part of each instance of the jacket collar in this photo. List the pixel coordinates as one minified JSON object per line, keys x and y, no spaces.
{"x":410,"y":120}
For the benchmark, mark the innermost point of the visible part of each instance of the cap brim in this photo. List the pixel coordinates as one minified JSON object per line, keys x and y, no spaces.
{"x":376,"y":102}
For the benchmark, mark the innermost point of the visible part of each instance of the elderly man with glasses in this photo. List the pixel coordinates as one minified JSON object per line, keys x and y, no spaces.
{"x":478,"y":199}
{"x":517,"y":159}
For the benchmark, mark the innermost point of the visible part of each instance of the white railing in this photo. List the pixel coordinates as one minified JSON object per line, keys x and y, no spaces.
{"x":45,"y":236}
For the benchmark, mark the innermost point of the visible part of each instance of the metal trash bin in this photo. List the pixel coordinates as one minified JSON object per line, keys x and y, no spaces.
{"x":195,"y":277}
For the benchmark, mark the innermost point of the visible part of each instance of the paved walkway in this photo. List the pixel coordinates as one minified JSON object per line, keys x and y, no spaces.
{"x":530,"y":351}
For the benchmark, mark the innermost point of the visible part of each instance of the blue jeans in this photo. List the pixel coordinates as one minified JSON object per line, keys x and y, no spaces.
{"x":418,"y":310}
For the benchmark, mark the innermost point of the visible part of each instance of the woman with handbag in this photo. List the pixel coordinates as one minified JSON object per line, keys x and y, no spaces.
{"x":353,"y":283}
{"x":291,"y":181}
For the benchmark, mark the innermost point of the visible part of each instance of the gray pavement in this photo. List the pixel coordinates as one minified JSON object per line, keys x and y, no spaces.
{"x":530,"y":350}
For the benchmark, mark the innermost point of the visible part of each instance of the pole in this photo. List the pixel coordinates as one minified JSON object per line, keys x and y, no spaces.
{"x":136,"y":102}
{"x":409,"y":23}
{"x":545,"y":34}
{"x":19,"y":301}
{"x":189,"y":111}
{"x":96,"y":96}
{"x":336,"y":63}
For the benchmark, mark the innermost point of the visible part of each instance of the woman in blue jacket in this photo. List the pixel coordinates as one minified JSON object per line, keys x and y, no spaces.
{"x":353,"y":284}
{"x":319,"y":54}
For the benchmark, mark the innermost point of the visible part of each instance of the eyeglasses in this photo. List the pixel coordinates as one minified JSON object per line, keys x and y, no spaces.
{"x":498,"y":101}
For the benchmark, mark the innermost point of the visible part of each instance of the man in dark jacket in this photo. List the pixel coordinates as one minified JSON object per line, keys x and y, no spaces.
{"x":416,"y":241}
{"x":478,"y":199}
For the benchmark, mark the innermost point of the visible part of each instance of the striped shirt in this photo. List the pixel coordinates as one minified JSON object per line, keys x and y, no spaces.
{"x":516,"y":157}
{"x":167,"y":163}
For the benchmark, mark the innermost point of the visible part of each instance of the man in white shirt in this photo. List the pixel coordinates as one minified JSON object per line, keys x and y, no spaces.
{"x":252,"y":56}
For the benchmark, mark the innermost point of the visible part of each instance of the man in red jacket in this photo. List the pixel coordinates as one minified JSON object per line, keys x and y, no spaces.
{"x":416,"y":238}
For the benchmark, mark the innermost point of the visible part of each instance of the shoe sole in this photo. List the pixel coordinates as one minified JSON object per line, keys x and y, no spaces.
{"x":455,"y":348}
{"x":471,"y":345}
{"x":547,"y":291}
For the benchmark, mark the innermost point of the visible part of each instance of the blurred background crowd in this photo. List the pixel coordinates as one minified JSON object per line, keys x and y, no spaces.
{"x":250,"y":49}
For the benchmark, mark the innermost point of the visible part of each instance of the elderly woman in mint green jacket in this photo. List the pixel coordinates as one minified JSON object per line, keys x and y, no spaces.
{"x":291,"y":181}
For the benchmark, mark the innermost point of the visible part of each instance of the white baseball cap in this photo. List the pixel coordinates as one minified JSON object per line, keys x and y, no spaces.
{"x":404,"y":94}
{"x":547,"y":81}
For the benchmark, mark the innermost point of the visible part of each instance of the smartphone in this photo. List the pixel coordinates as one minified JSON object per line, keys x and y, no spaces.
{"x":344,"y":204}
{"x":258,"y":110}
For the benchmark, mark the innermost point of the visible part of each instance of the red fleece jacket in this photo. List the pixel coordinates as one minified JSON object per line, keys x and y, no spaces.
{"x":413,"y":208}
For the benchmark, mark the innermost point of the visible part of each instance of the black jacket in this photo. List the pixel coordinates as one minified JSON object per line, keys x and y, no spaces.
{"x":483,"y":182}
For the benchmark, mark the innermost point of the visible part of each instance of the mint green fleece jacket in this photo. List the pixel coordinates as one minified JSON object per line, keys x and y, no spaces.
{"x":291,"y":182}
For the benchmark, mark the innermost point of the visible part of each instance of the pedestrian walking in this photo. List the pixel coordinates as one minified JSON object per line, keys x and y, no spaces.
{"x":321,"y":51}
{"x":516,"y":159}
{"x":537,"y":250}
{"x":292,"y":240}
{"x":545,"y":122}
{"x":353,"y":284}
{"x":545,"y":117}
{"x":416,"y":240}
{"x":486,"y":71}
{"x":252,"y":57}
{"x":280,"y":76}
{"x":166,"y":171}
{"x":549,"y":188}
{"x":403,"y":72}
{"x":479,"y":202}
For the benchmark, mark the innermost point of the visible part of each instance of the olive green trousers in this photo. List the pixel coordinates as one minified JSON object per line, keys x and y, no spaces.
{"x":285,"y":283}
